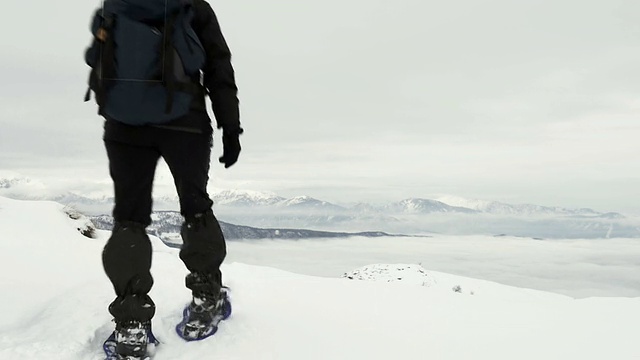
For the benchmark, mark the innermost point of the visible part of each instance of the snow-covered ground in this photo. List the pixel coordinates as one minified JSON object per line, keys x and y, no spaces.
{"x":54,"y":298}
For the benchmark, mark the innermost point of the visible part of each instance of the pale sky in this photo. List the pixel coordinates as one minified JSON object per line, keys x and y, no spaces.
{"x":354,"y":100}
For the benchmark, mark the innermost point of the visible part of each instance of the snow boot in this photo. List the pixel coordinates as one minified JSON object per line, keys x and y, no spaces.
{"x":202,"y":316}
{"x":131,"y":340}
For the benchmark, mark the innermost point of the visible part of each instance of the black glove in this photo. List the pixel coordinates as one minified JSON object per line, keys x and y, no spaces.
{"x":231,"y":148}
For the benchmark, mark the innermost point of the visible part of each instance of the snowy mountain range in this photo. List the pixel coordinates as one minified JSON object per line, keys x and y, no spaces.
{"x":442,"y":214}
{"x":27,"y":188}
{"x":442,"y":204}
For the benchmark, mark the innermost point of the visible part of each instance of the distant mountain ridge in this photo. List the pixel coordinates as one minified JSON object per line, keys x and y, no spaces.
{"x":26,"y":188}
{"x":443,"y":204}
{"x":495,"y":207}
{"x":425,"y":206}
{"x":438,"y":215}
{"x":166,"y":226}
{"x":246,"y":198}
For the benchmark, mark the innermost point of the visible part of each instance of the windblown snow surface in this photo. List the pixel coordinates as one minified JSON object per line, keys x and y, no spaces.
{"x":55,"y":296}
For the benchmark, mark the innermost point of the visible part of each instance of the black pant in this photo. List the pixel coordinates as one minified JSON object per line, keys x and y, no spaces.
{"x":133,"y":154}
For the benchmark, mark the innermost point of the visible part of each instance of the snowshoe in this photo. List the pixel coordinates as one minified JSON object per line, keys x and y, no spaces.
{"x":202,"y":316}
{"x":131,"y":341}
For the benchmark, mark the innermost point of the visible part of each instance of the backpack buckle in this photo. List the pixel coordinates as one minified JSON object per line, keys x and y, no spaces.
{"x":102,"y":34}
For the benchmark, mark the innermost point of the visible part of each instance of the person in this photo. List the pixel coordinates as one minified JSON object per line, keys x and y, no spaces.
{"x":184,"y":142}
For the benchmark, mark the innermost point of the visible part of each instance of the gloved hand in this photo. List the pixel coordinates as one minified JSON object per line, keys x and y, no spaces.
{"x":231,"y":147}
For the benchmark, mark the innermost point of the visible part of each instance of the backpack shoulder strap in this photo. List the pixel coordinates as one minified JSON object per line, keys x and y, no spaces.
{"x":104,"y":53}
{"x":174,"y":39}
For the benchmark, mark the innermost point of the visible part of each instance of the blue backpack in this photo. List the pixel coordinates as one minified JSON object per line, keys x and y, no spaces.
{"x":145,"y":59}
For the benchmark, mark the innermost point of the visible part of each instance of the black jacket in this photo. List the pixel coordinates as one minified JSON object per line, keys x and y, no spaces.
{"x":218,"y":80}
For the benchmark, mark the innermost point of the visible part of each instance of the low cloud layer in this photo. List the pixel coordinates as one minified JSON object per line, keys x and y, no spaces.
{"x":578,"y":268}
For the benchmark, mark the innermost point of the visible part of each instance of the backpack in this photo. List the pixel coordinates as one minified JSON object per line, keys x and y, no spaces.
{"x":145,"y":60}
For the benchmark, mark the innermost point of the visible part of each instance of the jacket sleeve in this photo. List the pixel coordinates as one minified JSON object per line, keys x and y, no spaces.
{"x":218,"y":73}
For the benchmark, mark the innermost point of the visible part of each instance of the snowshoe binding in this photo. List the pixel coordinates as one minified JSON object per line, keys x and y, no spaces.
{"x":131,"y":341}
{"x":202,"y":316}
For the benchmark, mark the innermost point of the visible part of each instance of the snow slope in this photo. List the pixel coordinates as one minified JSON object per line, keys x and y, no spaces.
{"x":54,"y":298}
